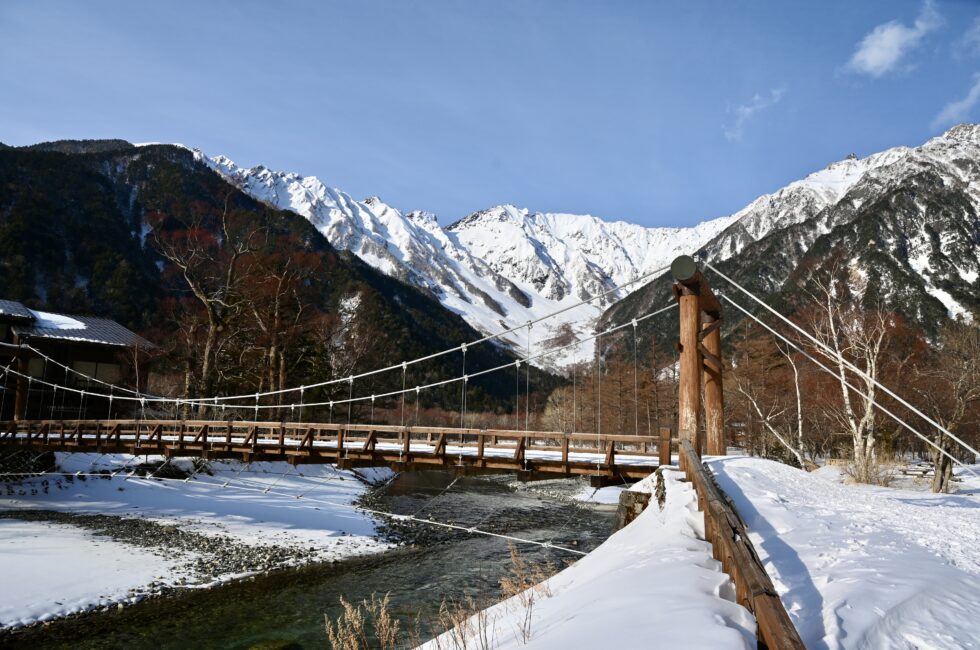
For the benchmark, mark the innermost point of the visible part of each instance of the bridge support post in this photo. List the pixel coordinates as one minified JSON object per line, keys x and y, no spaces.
{"x":689,"y":390}
{"x":664,"y":447}
{"x":695,"y":297}
{"x":714,"y":413}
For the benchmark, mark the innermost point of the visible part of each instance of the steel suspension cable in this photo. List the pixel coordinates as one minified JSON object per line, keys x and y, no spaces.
{"x":491,"y":337}
{"x":881,"y":408}
{"x":840,"y":358}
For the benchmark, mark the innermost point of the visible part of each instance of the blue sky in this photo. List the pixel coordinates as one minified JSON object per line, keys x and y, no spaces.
{"x":658,"y":114}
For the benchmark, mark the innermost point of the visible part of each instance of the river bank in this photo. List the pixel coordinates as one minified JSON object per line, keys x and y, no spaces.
{"x":289,"y":602}
{"x":99,"y":535}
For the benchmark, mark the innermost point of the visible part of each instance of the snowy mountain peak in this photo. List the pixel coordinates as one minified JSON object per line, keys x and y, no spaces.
{"x":499,"y":267}
{"x":505,"y":265}
{"x":963,"y":131}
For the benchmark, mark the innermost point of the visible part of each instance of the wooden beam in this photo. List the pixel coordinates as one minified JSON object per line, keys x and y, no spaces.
{"x":202,"y":435}
{"x":371,"y":442}
{"x":611,"y":454}
{"x":714,"y":405}
{"x":251,"y":438}
{"x":689,"y":391}
{"x":663,"y":446}
{"x":686,"y":273}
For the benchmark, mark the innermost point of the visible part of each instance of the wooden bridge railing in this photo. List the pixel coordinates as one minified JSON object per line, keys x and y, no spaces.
{"x":550,"y":452}
{"x":731,"y":546}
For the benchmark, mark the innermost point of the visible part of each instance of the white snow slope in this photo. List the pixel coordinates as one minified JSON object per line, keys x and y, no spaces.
{"x":61,"y":569}
{"x":652,"y":584}
{"x":859,"y":566}
{"x":51,"y":570}
{"x":498,"y":268}
{"x":501,"y":267}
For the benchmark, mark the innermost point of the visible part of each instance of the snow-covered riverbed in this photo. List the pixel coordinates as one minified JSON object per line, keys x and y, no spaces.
{"x":265,"y":514}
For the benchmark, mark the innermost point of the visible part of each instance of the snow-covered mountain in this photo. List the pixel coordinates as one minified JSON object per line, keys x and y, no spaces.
{"x":906,"y":221}
{"x":498,"y":268}
{"x":502,"y":267}
{"x":797,"y":202}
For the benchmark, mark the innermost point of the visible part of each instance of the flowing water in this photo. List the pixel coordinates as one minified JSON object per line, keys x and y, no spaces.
{"x":286,"y":609}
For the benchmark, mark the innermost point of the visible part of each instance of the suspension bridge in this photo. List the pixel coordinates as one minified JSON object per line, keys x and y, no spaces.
{"x":604,"y":457}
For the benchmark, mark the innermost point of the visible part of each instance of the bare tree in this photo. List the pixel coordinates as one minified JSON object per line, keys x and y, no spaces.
{"x":209,"y":253}
{"x":859,"y":337}
{"x":758,"y":377}
{"x":948,"y":383}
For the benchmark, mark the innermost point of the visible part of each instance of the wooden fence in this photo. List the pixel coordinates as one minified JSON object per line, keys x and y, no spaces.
{"x":731,"y":546}
{"x":619,"y":457}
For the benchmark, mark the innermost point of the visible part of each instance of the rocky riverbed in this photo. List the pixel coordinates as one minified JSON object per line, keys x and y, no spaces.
{"x":204,"y":559}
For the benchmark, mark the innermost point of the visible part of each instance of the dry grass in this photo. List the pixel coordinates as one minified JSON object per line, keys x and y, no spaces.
{"x":350,"y":631}
{"x":526,"y":583}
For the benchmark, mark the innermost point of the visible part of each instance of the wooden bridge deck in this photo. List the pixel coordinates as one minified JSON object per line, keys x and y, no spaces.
{"x":532,"y":454}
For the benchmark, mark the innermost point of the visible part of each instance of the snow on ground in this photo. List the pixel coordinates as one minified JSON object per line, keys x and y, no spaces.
{"x":652,"y":584}
{"x":260,"y":505}
{"x":233,"y":501}
{"x":603,"y":496}
{"x":51,"y":570}
{"x":860,"y":566}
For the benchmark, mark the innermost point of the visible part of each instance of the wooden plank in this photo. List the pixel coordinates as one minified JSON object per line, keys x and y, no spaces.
{"x":440,"y":449}
{"x":611,"y":454}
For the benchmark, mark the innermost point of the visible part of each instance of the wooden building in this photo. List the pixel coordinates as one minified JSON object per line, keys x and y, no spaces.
{"x":92,"y":346}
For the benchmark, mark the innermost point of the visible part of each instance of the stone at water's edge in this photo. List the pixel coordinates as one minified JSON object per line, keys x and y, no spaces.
{"x":631,"y":504}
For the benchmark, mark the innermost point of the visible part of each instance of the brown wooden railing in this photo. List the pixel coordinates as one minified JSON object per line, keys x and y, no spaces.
{"x":540,"y":452}
{"x":731,"y":546}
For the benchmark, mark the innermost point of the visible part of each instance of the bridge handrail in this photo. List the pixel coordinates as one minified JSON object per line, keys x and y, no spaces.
{"x":725,"y":530}
{"x":340,"y":426}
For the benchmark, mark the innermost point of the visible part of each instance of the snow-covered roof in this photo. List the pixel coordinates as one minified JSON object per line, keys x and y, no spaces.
{"x":12,"y":309}
{"x":35,"y":324}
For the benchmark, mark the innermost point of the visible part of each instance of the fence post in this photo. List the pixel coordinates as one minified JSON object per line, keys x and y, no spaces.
{"x":664,"y":446}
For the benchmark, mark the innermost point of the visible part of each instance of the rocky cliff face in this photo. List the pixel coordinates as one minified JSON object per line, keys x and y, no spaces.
{"x":498,"y":268}
{"x":907,"y":217}
{"x":905,"y":221}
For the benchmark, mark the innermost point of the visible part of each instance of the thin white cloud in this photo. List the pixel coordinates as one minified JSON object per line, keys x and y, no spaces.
{"x":884,"y":47}
{"x":969,"y":44}
{"x":959,"y":110}
{"x":745,"y":112}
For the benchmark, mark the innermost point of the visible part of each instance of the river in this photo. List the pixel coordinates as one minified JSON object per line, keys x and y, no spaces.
{"x":285,"y":609}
